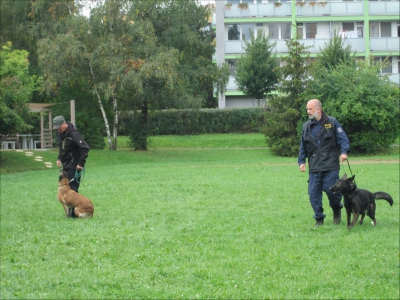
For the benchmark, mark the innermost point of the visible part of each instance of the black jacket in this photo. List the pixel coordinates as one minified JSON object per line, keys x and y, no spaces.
{"x":73,"y":150}
{"x":333,"y":141}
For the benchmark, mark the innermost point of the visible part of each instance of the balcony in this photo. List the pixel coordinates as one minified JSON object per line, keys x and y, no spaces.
{"x":258,"y":10}
{"x":395,"y":77}
{"x":384,"y":8}
{"x":357,"y":44}
{"x":231,"y":86}
{"x":331,"y":9}
{"x":387,"y":44}
{"x":238,"y":47}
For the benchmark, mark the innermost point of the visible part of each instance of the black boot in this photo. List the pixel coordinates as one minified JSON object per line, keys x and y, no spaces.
{"x":337,"y":217}
{"x":319,"y":222}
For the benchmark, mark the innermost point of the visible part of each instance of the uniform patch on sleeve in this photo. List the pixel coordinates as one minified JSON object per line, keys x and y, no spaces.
{"x":339,"y":130}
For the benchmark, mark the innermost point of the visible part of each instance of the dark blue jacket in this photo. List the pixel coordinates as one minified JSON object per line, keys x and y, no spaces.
{"x":322,"y":142}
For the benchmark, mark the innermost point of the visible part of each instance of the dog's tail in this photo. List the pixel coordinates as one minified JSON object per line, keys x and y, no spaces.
{"x":383,"y":196}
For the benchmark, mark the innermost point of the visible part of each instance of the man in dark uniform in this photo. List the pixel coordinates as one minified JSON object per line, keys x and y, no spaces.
{"x":73,"y":150}
{"x":323,"y":143}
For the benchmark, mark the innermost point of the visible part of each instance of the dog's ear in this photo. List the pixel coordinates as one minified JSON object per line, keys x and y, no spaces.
{"x":344,"y":177}
{"x":351,"y":178}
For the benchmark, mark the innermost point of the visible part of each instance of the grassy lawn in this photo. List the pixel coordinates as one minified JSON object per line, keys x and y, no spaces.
{"x":193,"y":218}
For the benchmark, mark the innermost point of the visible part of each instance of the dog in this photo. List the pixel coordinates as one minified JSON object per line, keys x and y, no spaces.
{"x":358,"y":201}
{"x":75,"y":205}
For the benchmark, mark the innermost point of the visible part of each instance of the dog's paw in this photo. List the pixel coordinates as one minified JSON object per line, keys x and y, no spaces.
{"x":372,"y":222}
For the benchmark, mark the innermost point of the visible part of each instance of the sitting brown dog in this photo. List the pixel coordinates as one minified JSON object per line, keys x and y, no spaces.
{"x":75,"y":205}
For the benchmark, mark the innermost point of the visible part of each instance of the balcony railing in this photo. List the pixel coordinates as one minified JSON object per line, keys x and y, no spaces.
{"x":238,"y":47}
{"x":331,"y":9}
{"x":384,"y":44}
{"x":258,"y":10}
{"x":384,"y":8}
{"x":315,"y":45}
{"x":395,"y":77}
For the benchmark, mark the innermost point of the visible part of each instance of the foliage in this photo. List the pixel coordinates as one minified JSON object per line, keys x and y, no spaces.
{"x":335,"y":52}
{"x":256,"y":72}
{"x":284,"y":109}
{"x":186,"y":77}
{"x":189,"y":121}
{"x":128,"y":50}
{"x":365,"y":102}
{"x":16,"y":90}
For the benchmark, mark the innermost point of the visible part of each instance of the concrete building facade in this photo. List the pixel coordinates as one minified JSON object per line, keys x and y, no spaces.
{"x":371,"y":28}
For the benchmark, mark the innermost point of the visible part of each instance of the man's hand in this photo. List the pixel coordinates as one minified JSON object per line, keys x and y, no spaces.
{"x":59,"y":163}
{"x":343,"y":157}
{"x":302,"y":167}
{"x":79,"y":168}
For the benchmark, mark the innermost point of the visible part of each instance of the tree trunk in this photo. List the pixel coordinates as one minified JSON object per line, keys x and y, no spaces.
{"x":141,"y":142}
{"x":103,"y":112}
{"x":115,"y":129}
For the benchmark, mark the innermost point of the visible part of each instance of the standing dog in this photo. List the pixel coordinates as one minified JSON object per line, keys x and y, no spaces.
{"x":75,"y":205}
{"x":358,"y":201}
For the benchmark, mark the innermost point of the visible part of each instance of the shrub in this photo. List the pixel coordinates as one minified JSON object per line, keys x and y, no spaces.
{"x":189,"y":122}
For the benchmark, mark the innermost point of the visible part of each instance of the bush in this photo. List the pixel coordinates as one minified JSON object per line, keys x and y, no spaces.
{"x":190,"y":122}
{"x":364,"y":102}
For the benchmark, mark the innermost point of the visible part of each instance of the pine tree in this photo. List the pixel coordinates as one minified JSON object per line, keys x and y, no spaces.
{"x":284,"y":110}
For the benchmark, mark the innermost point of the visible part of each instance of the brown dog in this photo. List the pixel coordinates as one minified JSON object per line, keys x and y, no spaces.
{"x":75,"y":205}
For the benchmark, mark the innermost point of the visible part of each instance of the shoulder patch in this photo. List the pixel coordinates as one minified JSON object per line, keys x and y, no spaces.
{"x":339,"y":130}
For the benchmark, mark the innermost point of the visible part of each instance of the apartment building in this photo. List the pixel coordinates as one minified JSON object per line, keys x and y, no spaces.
{"x":371,"y":28}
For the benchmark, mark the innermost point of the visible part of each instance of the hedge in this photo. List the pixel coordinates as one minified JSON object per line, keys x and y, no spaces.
{"x":191,"y":122}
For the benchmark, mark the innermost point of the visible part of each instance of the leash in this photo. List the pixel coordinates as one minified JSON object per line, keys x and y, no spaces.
{"x":348,"y":164}
{"x":79,"y":175}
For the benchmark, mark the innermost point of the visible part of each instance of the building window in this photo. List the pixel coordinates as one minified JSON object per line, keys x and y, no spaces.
{"x":387,"y":68}
{"x":311,"y":30}
{"x":240,"y":32}
{"x":233,"y":32}
{"x":348,"y":26}
{"x":380,"y":29}
{"x":247,"y":30}
{"x":232,"y":65}
{"x":386,"y":29}
{"x":299,"y":28}
{"x":280,"y":31}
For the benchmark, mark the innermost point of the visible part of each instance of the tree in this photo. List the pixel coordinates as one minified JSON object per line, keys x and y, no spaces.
{"x":257,"y":71}
{"x":365,"y":102}
{"x":284,"y":110}
{"x":127,"y":55}
{"x":16,"y":90}
{"x":335,"y":52}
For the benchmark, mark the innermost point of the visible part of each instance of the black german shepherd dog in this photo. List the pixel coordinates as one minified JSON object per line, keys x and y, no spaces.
{"x":358,"y":201}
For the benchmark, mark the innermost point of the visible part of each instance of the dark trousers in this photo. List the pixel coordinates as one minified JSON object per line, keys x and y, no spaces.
{"x":319,"y":182}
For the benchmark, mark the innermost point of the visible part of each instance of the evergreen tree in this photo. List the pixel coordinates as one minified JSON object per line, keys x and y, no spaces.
{"x":284,"y":110}
{"x":256,"y":72}
{"x":335,"y":52}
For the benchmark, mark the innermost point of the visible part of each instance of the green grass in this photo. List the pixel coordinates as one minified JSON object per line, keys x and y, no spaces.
{"x":207,"y":222}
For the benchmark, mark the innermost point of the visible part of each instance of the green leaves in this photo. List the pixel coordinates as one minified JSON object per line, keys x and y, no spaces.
{"x":257,"y":70}
{"x":16,"y":90}
{"x":365,"y":102}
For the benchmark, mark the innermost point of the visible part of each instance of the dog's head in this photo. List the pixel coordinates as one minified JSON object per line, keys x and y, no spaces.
{"x":344,"y":185}
{"x":63,"y":175}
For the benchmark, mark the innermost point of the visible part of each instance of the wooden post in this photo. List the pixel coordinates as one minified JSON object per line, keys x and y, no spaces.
{"x":50,"y":129}
{"x":72,"y":104}
{"x":42,"y":129}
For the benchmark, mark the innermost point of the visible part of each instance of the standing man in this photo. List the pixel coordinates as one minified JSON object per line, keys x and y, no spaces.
{"x":73,"y":150}
{"x":324,"y":143}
